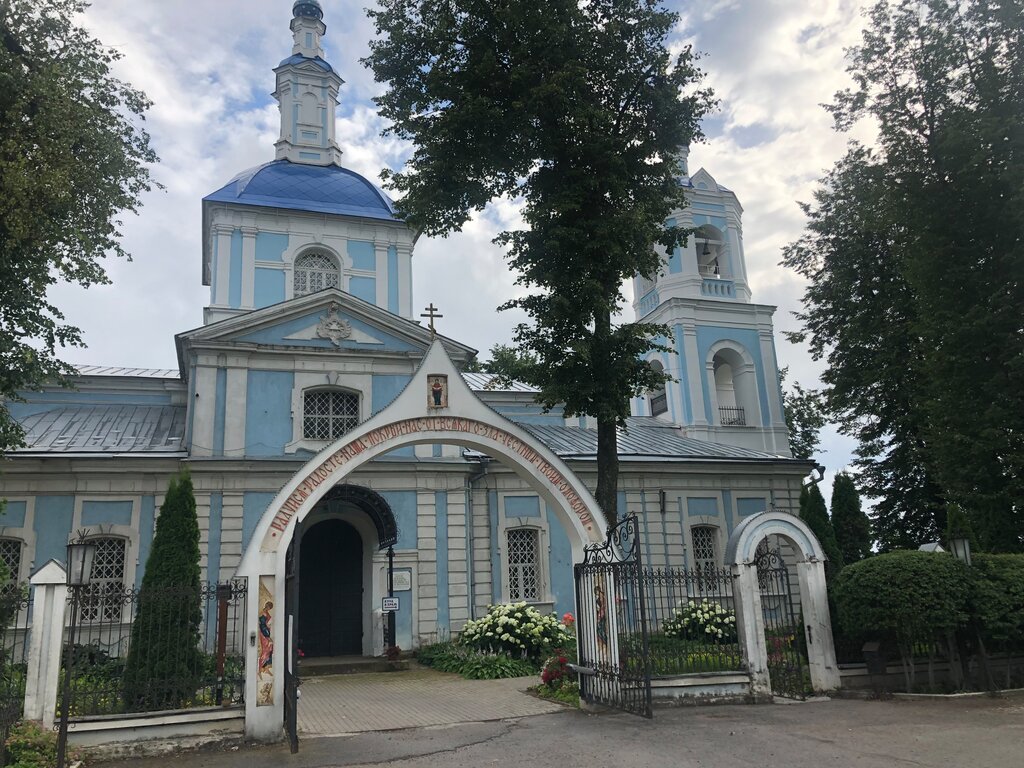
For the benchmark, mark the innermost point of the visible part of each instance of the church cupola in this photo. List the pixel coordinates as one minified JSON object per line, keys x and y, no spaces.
{"x":307,"y":91}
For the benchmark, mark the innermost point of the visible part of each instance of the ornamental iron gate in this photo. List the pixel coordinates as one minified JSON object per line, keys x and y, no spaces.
{"x":783,"y":625}
{"x":612,"y":632}
{"x":291,"y":644}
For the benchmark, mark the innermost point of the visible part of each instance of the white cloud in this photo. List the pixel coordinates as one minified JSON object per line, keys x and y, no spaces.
{"x":207,"y":68}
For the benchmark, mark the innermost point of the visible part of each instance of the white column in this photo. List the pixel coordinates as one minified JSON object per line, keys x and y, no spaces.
{"x":821,"y":652}
{"x":248,"y":267}
{"x":223,"y":265}
{"x":750,"y":627}
{"x":405,"y":280}
{"x":50,"y":597}
{"x":234,"y":409}
{"x":694,"y":375}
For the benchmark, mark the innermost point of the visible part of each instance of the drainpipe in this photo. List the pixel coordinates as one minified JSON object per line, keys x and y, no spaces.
{"x":471,"y":480}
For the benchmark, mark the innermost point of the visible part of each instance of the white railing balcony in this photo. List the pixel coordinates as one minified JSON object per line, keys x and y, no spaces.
{"x":732,"y":417}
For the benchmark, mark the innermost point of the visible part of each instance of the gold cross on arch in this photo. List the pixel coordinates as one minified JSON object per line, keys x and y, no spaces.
{"x":431,"y":313}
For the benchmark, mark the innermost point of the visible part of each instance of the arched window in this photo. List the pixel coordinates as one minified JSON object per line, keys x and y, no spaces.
{"x":735,"y":385}
{"x":523,"y":564}
{"x":710,"y":245}
{"x":327,"y":414}
{"x":657,"y":397}
{"x":705,"y":547}
{"x":315,"y":271}
{"x":103,"y":599}
{"x":10,"y":556}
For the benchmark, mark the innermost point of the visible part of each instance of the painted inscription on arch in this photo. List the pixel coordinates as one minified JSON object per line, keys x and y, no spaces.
{"x":399,"y":429}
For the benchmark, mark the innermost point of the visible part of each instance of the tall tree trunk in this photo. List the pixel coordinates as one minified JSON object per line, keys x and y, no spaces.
{"x":608,"y":469}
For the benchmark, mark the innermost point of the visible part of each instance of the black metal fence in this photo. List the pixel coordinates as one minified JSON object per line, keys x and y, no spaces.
{"x":692,"y":621}
{"x":156,"y":649}
{"x":15,"y":626}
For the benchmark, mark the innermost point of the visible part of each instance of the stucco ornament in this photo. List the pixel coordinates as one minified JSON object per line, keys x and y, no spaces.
{"x":333,"y":327}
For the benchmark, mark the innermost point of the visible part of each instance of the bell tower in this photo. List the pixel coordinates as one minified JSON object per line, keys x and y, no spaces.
{"x":307,"y":92}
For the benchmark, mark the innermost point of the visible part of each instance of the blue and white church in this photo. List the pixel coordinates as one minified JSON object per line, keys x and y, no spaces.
{"x":309,"y":353}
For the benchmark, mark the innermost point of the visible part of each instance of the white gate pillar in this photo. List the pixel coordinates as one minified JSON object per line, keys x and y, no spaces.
{"x":49,"y":602}
{"x":750,"y":627}
{"x":821,"y":652}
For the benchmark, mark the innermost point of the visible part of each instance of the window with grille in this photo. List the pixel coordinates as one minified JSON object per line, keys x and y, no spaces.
{"x":313,"y":272}
{"x":523,"y":564}
{"x":327,"y":414}
{"x":10,"y":556}
{"x":705,"y":555}
{"x":103,"y":598}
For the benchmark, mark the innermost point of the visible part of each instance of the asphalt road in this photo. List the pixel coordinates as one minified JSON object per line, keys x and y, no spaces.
{"x":973,"y":733}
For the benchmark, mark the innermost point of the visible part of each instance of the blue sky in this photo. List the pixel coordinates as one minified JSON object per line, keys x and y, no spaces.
{"x":207,"y":69}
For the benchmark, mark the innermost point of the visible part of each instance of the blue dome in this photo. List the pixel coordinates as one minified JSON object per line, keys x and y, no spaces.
{"x":298,"y":58}
{"x":298,"y":187}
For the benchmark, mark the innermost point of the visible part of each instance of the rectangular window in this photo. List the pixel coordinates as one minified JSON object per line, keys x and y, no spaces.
{"x":523,"y":564}
{"x":103,"y":598}
{"x":705,"y":555}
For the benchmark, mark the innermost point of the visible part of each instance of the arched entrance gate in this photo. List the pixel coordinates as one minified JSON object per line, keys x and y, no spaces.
{"x":770,"y":607}
{"x":435,"y":407}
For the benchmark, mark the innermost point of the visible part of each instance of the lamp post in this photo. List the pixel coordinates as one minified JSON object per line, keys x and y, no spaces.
{"x":80,"y":556}
{"x":961,"y":549}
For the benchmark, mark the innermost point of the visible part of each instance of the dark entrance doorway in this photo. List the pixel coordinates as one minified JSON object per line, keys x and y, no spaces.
{"x":331,"y":590}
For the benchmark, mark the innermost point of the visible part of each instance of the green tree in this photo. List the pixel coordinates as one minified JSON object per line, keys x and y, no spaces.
{"x":914,"y":255}
{"x":579,"y":111}
{"x":72,"y":157}
{"x":851,"y":525}
{"x":815,"y":514}
{"x":164,"y":662}
{"x":805,"y":416}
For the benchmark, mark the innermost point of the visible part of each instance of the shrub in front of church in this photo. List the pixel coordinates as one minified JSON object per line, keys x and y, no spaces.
{"x":703,"y":621}
{"x":472,"y":663}
{"x":516,"y":629}
{"x":164,"y":663}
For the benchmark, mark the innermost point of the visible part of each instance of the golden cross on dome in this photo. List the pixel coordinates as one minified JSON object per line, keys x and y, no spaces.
{"x":431,"y":313}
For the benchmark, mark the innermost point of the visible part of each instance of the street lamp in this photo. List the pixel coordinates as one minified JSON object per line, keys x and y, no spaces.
{"x":961,"y":549}
{"x":81,"y":553}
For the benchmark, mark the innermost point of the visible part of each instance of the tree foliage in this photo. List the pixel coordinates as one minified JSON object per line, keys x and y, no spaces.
{"x":72,"y":157}
{"x":851,"y":525}
{"x":997,"y":599}
{"x":915,"y":259}
{"x":579,"y":111}
{"x":804,"y":410}
{"x":815,"y":514}
{"x":164,"y":663}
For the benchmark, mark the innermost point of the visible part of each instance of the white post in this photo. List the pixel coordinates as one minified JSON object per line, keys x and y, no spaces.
{"x":49,"y":602}
{"x":821,"y":652}
{"x":750,"y":627}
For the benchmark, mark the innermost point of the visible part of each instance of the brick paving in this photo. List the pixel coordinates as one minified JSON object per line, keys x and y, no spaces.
{"x":347,"y":704}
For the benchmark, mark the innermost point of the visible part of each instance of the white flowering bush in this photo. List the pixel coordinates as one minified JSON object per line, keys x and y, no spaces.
{"x":517,"y":629}
{"x":705,"y":621}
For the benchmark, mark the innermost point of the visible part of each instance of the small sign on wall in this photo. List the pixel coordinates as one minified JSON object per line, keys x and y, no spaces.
{"x":389,"y":604}
{"x":403,"y":580}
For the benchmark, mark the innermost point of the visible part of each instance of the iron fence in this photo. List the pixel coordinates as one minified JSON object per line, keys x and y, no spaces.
{"x":144,"y":650}
{"x":692,"y":621}
{"x":15,"y":629}
{"x":732,"y":417}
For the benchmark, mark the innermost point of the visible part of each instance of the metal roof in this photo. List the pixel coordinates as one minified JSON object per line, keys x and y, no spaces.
{"x":298,"y":58}
{"x":105,"y":429}
{"x":644,"y":437}
{"x":489,"y":382}
{"x":143,"y":373}
{"x":300,"y":187}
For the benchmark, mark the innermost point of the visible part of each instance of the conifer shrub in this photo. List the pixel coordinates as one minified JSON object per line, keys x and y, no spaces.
{"x":164,"y":662}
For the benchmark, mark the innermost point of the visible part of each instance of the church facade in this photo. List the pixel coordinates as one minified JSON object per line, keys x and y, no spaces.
{"x":309,"y":334}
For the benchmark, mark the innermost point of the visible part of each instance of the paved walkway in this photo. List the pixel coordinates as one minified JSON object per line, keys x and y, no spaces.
{"x":347,"y":704}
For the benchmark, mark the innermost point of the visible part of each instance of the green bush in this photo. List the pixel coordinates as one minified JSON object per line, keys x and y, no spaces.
{"x":164,"y":662}
{"x":518,"y":630}
{"x":913,"y":598}
{"x":29,"y":745}
{"x":472,"y":663}
{"x":705,"y":621}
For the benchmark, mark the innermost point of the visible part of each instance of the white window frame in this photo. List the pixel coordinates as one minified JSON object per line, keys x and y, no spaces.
{"x":360,"y":386}
{"x":544,"y":600}
{"x":102,"y":616}
{"x":312,"y":252}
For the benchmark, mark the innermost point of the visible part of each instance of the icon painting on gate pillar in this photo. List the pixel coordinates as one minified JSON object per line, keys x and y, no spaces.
{"x":437,"y":391}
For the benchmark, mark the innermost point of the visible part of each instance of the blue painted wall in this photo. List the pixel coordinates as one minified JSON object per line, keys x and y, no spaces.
{"x":268,"y":405}
{"x":522,"y":506}
{"x":385,"y":389}
{"x":441,"y":516}
{"x":364,"y":288}
{"x":12,"y":514}
{"x":393,"y":279}
{"x":147,"y":525}
{"x":675,"y":261}
{"x":270,"y":246}
{"x":683,"y":384}
{"x":235,"y":281}
{"x":268,"y":287}
{"x":106,"y":512}
{"x":254,"y":504}
{"x":563,"y":586}
{"x":278,"y":334}
{"x":702,"y":506}
{"x":362,"y":254}
{"x":745,"y":507}
{"x":52,"y":527}
{"x":403,"y":507}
